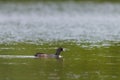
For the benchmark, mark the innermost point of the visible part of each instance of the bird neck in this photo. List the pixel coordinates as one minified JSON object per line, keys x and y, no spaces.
{"x":57,"y":52}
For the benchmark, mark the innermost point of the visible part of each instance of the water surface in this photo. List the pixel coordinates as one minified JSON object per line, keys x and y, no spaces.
{"x":89,"y":33}
{"x":91,"y":22}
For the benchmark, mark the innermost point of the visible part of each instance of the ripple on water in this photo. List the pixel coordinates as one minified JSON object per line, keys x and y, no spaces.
{"x":16,"y":56}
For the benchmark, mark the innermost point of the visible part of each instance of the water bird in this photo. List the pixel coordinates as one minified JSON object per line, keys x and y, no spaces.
{"x":45,"y":55}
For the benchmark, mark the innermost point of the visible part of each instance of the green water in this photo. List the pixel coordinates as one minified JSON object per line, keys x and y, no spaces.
{"x":78,"y":62}
{"x":89,"y":32}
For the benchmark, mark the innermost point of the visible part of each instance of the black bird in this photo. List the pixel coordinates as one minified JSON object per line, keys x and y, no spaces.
{"x":45,"y":55}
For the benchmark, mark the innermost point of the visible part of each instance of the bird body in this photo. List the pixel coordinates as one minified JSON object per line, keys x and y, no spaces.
{"x":45,"y":55}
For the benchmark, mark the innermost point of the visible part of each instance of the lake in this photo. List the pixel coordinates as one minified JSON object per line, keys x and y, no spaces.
{"x":89,"y":32}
